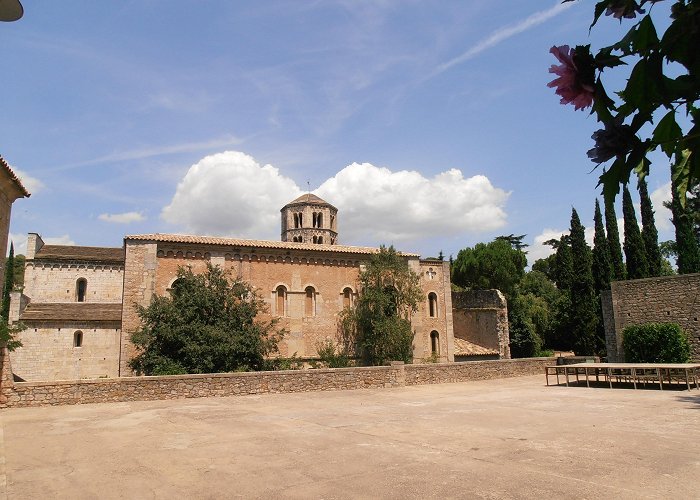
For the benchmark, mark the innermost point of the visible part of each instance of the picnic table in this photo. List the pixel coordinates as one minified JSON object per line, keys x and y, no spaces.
{"x":636,"y":373}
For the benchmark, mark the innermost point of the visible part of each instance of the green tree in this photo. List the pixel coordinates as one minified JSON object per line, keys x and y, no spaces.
{"x":687,"y":250}
{"x":381,"y":319}
{"x":584,"y":316}
{"x":635,"y":252}
{"x":613,"y":232}
{"x":602,"y":270}
{"x":9,"y":283}
{"x":207,"y":325}
{"x":534,"y":314}
{"x":547,"y":266}
{"x":649,"y":233}
{"x":664,"y":81}
{"x":564,"y":264}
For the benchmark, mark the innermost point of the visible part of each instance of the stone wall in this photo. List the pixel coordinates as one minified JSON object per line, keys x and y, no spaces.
{"x":481,"y":317}
{"x":673,"y":299}
{"x":22,"y":394}
{"x":56,"y":282}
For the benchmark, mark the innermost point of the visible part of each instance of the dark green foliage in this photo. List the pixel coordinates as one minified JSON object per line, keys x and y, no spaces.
{"x":602,"y":270}
{"x":332,"y":355}
{"x":618,"y":266}
{"x":9,"y":283}
{"x":515,"y":241}
{"x":524,"y":340}
{"x":649,"y":233}
{"x":655,"y":343}
{"x":547,"y":266}
{"x":8,"y":334}
{"x":207,"y":325}
{"x":635,"y":252}
{"x":564,"y":264}
{"x":532,"y":313}
{"x":687,"y":249}
{"x":379,"y":324}
{"x":490,"y":265}
{"x":19,"y":272}
{"x":584,"y":317}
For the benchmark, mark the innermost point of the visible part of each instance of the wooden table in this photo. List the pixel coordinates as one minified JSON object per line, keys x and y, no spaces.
{"x":629,"y":372}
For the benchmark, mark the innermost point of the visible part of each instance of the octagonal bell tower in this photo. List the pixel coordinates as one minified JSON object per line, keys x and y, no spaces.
{"x":309,"y":219}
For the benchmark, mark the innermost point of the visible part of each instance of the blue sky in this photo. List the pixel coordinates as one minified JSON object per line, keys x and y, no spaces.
{"x":427,"y":123}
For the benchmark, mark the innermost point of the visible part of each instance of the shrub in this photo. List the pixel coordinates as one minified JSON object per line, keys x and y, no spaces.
{"x":655,"y":343}
{"x":331,"y":355}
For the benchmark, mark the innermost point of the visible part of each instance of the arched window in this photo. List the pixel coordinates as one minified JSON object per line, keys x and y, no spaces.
{"x":78,"y":339}
{"x":347,"y":297}
{"x":435,"y":342}
{"x":80,"y":289}
{"x":320,"y":240}
{"x":432,"y":305}
{"x":174,"y":286}
{"x":320,"y":220}
{"x":310,"y":302}
{"x":281,"y":301}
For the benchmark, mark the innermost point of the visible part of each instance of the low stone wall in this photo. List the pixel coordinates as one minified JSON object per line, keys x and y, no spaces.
{"x":22,"y":394}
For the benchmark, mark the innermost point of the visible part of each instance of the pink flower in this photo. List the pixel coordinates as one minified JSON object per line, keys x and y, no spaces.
{"x":572,"y":86}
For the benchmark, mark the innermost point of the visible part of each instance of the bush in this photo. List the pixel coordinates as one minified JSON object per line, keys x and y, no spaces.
{"x":332,"y":356}
{"x":655,"y":343}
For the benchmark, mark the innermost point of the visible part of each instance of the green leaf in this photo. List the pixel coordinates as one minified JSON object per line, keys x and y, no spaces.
{"x":612,"y":178}
{"x":605,"y":59}
{"x":680,"y":172}
{"x":642,"y":90}
{"x":667,"y":133}
{"x":645,"y":38}
{"x":599,"y":9}
{"x":602,"y":104}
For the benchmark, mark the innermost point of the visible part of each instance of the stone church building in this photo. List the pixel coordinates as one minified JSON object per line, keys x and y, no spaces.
{"x":78,"y":303}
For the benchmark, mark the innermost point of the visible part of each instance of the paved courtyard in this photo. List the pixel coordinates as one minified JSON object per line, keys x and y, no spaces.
{"x":513,"y":438}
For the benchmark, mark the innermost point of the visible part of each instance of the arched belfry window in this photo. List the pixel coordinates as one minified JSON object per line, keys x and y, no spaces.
{"x":281,"y":300}
{"x":347,"y":297}
{"x":435,"y":342}
{"x":310,"y":302}
{"x":432,"y":305}
{"x":80,"y":290}
{"x":78,"y":339}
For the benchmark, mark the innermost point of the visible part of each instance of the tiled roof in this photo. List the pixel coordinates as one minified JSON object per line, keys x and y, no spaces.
{"x":308,"y":199}
{"x":80,"y":253}
{"x":234,"y":242}
{"x":13,"y":177}
{"x":466,"y":348}
{"x":72,"y":311}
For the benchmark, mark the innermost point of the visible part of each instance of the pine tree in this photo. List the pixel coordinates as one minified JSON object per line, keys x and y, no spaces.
{"x":564,"y":275}
{"x":564,"y":264}
{"x":686,"y":244}
{"x":618,"y":266}
{"x":649,"y":233}
{"x":9,"y":283}
{"x":635,"y":253}
{"x":584,"y":317}
{"x":602,"y":270}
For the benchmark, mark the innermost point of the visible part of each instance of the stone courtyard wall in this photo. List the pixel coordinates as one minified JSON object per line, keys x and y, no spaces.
{"x":674,"y":299}
{"x":481,"y":317}
{"x":22,"y":394}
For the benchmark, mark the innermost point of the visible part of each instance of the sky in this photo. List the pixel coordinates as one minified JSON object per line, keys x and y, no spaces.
{"x":428,"y":124}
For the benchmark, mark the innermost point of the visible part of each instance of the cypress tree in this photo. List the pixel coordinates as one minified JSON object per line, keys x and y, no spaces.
{"x":649,"y":233}
{"x":563,"y":276}
{"x":602,"y":270}
{"x":686,"y":244}
{"x":618,"y":266}
{"x":564,"y":264}
{"x":9,"y":282}
{"x":584,"y":317}
{"x":635,"y":253}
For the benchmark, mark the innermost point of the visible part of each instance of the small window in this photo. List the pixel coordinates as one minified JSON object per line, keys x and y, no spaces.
{"x":435,"y":342}
{"x":347,"y":297}
{"x":320,"y":240}
{"x":310,"y":302}
{"x":432,"y":305}
{"x":78,"y":339}
{"x":281,"y":300}
{"x":81,"y":289}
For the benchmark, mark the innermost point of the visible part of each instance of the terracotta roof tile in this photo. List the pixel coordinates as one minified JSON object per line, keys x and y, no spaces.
{"x":80,"y":253}
{"x":13,"y":177}
{"x":72,"y":311}
{"x":466,"y":348}
{"x":308,"y":199}
{"x":234,"y":242}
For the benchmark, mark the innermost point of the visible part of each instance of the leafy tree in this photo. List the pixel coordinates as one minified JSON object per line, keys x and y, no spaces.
{"x":649,"y":233}
{"x":514,"y":241}
{"x":534,"y":314}
{"x":687,"y":248}
{"x":584,"y":316}
{"x":490,"y":265}
{"x":564,"y":264}
{"x":9,"y":282}
{"x":207,"y":325}
{"x":380,"y":321}
{"x":547,"y":266}
{"x":635,"y":252}
{"x":18,"y":280}
{"x":656,"y":343}
{"x":664,"y":81}
{"x":602,"y":270}
{"x":618,"y":266}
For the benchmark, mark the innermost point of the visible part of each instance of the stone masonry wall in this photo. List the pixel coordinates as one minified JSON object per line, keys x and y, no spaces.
{"x":673,"y":299}
{"x":22,"y":394}
{"x":53,"y":282}
{"x":481,"y":317}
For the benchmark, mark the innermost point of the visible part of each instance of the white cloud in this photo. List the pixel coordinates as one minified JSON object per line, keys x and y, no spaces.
{"x":381,"y":205}
{"x":32,"y":184}
{"x":124,"y":218}
{"x":231,"y":194}
{"x":662,"y":215}
{"x":538,"y":250}
{"x":502,"y":34}
{"x":20,"y":242}
{"x":58,"y":240}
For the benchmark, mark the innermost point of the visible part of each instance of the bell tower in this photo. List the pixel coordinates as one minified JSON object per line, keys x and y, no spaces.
{"x":309,"y":219}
